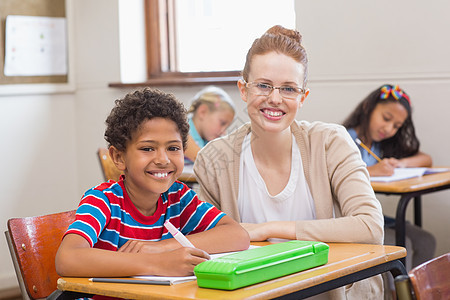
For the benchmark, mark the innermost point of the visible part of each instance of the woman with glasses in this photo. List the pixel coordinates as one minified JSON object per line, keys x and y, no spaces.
{"x":288,"y":179}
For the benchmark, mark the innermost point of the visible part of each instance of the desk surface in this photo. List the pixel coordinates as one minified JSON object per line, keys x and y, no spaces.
{"x":188,"y":174}
{"x":412,"y":184}
{"x":343,"y":259}
{"x":187,"y":177}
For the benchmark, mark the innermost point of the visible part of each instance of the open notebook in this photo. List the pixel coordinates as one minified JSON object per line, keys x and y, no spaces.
{"x":405,"y":173}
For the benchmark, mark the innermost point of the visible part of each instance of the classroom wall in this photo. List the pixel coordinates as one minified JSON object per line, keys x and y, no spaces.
{"x":357,"y":46}
{"x":49,"y":141}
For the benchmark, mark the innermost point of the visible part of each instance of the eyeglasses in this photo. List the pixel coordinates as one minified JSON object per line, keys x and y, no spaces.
{"x":264,"y":89}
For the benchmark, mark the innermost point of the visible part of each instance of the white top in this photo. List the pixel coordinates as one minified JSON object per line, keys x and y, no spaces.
{"x":256,"y":205}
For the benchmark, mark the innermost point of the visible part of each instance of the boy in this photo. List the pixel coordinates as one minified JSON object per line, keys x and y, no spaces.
{"x":147,"y":133}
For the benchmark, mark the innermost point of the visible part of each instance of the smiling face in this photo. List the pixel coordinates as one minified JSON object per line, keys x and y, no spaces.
{"x":273,"y":113}
{"x":153,"y":159}
{"x":386,"y":119}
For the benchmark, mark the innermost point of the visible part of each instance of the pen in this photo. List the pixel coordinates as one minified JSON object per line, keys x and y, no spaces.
{"x":358,"y":141}
{"x":121,"y":280}
{"x":178,"y":235}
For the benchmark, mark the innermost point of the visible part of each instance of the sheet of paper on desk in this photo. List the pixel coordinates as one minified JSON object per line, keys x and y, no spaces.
{"x":435,"y":170}
{"x":400,"y":174}
{"x":172,"y":279}
{"x":405,"y":173}
{"x":188,"y":169}
{"x":181,"y":279}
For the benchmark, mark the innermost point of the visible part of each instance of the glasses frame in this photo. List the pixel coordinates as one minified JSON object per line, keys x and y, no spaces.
{"x":300,"y":91}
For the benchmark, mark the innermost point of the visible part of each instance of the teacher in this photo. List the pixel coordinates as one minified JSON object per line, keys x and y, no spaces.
{"x":289,"y":179}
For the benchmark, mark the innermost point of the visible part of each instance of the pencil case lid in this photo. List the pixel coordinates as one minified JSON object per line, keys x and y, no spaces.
{"x":260,"y":264}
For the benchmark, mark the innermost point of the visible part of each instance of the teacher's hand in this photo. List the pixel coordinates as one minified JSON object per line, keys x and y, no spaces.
{"x":273,"y":229}
{"x":256,"y":232}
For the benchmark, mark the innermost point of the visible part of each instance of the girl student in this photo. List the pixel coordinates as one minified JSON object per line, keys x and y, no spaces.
{"x":289,"y":179}
{"x":383,"y":122}
{"x":210,"y":113}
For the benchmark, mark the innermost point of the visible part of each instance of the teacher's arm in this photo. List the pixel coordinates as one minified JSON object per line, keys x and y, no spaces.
{"x":346,"y":207}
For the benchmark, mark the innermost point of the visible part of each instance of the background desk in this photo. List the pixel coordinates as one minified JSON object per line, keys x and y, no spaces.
{"x":188,"y":176}
{"x":408,"y":189}
{"x":347,"y":263}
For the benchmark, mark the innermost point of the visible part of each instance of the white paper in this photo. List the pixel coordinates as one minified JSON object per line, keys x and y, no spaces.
{"x":188,"y":169}
{"x":172,"y":279}
{"x":35,"y":46}
{"x":180,"y":279}
{"x":435,"y":170}
{"x":400,"y":174}
{"x":405,"y":173}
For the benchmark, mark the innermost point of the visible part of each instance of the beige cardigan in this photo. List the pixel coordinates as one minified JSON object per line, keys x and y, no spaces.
{"x":346,"y":207}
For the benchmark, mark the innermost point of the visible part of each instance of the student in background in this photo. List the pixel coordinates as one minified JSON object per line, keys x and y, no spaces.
{"x":383,"y":122}
{"x":119,"y":229}
{"x":211,"y":112}
{"x":289,"y":179}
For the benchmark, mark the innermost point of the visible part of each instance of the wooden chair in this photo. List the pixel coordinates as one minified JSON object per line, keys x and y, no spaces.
{"x":110,"y":171}
{"x":33,"y":242}
{"x":430,"y":280}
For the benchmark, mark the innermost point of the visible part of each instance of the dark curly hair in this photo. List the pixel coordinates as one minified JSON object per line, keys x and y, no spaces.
{"x":137,"y":107}
{"x":404,"y":143}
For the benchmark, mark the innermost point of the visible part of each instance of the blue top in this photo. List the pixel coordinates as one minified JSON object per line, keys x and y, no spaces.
{"x":197,"y":138}
{"x":366,"y":156}
{"x":370,"y":160}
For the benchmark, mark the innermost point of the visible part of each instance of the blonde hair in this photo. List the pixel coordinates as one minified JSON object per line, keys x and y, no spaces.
{"x":281,"y":40}
{"x":214,"y":98}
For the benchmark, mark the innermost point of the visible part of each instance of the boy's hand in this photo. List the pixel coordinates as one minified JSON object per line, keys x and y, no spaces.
{"x":169,"y":262}
{"x":133,"y":246}
{"x":181,"y":261}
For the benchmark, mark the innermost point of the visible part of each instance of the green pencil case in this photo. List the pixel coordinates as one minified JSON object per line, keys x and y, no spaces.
{"x":255,"y":265}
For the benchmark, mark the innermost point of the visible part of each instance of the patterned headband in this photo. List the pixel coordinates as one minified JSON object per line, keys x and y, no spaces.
{"x":395,"y":91}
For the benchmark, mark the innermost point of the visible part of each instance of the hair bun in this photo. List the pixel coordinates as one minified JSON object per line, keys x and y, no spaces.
{"x":280,"y":30}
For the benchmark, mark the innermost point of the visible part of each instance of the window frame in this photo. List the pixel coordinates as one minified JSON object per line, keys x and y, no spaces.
{"x":159,"y":20}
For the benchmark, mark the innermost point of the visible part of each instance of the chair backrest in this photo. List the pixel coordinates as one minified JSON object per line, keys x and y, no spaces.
{"x":110,"y":171}
{"x":430,"y":280}
{"x":33,"y":242}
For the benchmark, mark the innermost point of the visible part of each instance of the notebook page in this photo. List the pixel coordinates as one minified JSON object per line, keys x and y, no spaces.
{"x":180,"y":279}
{"x":400,"y":174}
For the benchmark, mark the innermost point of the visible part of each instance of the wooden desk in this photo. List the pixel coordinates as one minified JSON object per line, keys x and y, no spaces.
{"x":188,"y":176}
{"x":347,"y":263}
{"x":408,"y":189}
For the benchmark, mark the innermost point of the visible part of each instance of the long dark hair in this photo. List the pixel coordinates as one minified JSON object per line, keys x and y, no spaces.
{"x":404,"y":143}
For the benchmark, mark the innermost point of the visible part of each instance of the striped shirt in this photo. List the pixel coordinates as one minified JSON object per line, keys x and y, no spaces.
{"x":107,"y":218}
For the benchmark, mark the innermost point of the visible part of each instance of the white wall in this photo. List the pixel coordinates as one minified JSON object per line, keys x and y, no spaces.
{"x":49,"y":141}
{"x":356,"y":46}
